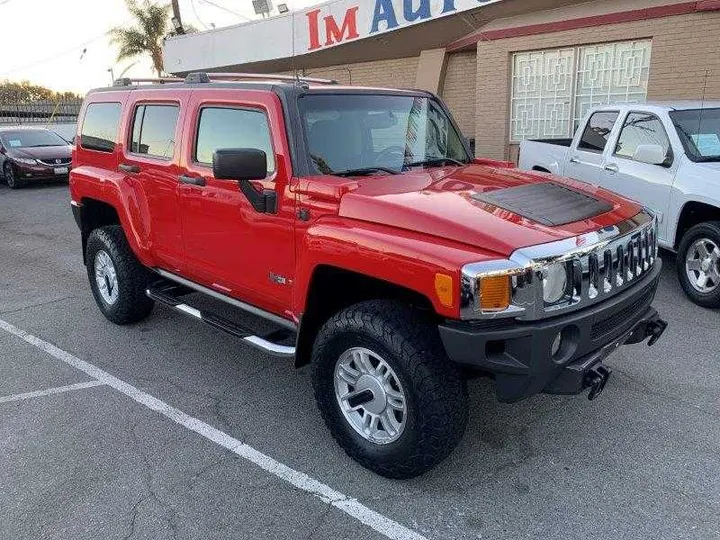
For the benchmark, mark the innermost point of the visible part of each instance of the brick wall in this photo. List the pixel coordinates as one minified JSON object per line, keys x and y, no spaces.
{"x":398,"y":73}
{"x":684,"y":47}
{"x":459,"y":89}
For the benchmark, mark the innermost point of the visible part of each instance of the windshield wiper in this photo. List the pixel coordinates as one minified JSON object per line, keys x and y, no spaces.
{"x":434,"y":162}
{"x":365,"y":171}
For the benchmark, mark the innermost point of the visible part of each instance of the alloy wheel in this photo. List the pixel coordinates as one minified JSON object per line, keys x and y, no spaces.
{"x":702,"y":264}
{"x":370,"y":396}
{"x":106,"y":277}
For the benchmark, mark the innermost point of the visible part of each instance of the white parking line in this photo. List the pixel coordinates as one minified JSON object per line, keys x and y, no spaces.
{"x":51,"y":391}
{"x":383,"y":525}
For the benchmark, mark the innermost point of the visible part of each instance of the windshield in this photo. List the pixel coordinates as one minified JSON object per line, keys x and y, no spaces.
{"x":349,"y":132}
{"x":31,"y":138}
{"x":699,"y":131}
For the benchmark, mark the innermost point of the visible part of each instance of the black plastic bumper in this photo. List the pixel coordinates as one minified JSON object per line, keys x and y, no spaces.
{"x":518,"y":354}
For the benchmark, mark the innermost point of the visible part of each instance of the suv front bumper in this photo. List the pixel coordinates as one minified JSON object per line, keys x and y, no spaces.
{"x":520,"y":357}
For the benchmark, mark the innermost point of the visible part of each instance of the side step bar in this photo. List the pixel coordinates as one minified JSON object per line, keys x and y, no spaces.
{"x":169,"y":294}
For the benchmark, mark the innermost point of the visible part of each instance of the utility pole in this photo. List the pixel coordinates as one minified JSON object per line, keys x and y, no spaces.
{"x":177,"y":21}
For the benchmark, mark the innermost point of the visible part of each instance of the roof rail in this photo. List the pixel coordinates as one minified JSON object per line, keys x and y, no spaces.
{"x":126,"y":81}
{"x":203,"y":77}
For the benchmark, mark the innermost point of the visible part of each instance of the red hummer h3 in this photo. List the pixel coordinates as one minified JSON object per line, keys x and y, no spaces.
{"x":350,"y":228}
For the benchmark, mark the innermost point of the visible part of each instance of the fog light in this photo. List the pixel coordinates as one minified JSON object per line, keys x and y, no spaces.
{"x":555,"y":347}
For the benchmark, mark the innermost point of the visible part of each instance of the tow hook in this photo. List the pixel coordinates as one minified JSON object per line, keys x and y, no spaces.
{"x":596,"y":379}
{"x":654,"y":330}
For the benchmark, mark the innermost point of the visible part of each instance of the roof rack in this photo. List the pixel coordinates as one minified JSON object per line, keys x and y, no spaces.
{"x":126,"y":81}
{"x":203,"y":77}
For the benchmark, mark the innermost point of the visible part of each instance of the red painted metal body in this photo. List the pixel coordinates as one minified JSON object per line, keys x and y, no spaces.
{"x":402,"y":229}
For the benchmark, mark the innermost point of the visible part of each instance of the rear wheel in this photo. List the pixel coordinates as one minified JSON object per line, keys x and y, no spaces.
{"x":10,"y":177}
{"x":117,"y":279}
{"x":386,"y":389}
{"x":698,"y":264}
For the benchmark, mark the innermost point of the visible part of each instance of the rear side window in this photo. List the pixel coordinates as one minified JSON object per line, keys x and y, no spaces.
{"x":100,"y":127}
{"x":223,"y":127}
{"x":153,"y":132}
{"x":641,"y":128}
{"x":597,"y":131}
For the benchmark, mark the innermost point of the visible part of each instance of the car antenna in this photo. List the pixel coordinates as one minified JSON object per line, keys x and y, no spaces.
{"x":702,"y":104}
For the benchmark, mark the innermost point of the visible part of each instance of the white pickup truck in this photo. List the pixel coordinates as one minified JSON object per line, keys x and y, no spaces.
{"x":666,"y":157}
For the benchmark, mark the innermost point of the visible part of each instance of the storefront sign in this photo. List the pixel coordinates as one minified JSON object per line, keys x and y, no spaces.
{"x":333,"y":23}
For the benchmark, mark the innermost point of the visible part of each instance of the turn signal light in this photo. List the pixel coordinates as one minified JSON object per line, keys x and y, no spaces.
{"x":444,"y":289}
{"x":494,"y":293}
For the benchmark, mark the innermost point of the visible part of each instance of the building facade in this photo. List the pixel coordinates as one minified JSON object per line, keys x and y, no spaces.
{"x":508,"y":69}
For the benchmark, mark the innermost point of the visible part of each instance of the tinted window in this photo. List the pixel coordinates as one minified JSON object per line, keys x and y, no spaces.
{"x":351,"y":131}
{"x":232,"y":128}
{"x":154,"y":130}
{"x":31,"y":138}
{"x":699,"y":131}
{"x":641,"y":128}
{"x":597,"y":131}
{"x":100,"y":126}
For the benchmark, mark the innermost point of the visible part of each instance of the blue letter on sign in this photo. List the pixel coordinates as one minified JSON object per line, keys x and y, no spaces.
{"x":384,"y":11}
{"x":448,"y":6}
{"x":422,"y":12}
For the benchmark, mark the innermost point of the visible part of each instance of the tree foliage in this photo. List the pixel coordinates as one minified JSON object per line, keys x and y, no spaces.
{"x":145,"y":35}
{"x":26,"y":92}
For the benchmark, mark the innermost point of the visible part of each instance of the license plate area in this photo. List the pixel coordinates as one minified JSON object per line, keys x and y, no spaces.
{"x":62,"y":170}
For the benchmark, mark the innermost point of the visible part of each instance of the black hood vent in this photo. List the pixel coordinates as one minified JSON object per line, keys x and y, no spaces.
{"x":546,"y":203}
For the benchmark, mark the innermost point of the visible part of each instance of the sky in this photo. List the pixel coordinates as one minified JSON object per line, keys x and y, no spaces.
{"x":63,"y":44}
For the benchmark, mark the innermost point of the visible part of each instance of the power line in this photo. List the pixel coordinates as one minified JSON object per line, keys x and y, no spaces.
{"x":81,"y":46}
{"x":223,"y":8}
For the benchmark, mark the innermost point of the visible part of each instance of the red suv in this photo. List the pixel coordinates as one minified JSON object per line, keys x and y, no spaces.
{"x":359,"y":234}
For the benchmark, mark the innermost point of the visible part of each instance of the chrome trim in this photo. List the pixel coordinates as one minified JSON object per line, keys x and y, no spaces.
{"x":600,"y":264}
{"x":48,"y":164}
{"x":76,"y":204}
{"x":229,"y":300}
{"x":189,"y":310}
{"x":269,"y":347}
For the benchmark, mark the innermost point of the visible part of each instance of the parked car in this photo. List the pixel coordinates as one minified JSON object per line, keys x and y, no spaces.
{"x":33,"y":154}
{"x":355,"y":223}
{"x":665,"y":156}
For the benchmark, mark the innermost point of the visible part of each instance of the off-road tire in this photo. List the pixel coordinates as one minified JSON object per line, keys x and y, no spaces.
{"x":711,"y":230}
{"x":436,"y":394}
{"x":11,"y":179}
{"x":132,"y":304}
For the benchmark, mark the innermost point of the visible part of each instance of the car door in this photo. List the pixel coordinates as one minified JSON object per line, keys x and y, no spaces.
{"x":230,"y":246}
{"x":646,"y":183}
{"x":150,"y":162}
{"x":585,"y":159}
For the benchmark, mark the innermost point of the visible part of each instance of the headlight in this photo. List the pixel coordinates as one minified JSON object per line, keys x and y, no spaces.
{"x":25,"y":161}
{"x":554,"y":283}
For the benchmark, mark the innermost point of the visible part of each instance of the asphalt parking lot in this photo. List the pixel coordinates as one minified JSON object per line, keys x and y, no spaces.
{"x":101,"y":459}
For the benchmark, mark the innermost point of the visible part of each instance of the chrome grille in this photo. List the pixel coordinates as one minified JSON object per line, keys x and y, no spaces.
{"x":598,"y":265}
{"x":614,"y":259}
{"x":56,"y":162}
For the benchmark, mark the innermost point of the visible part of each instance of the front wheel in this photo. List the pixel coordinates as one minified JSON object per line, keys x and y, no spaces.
{"x":386,"y":389}
{"x":117,"y":279}
{"x":698,"y":264}
{"x":10,"y":178}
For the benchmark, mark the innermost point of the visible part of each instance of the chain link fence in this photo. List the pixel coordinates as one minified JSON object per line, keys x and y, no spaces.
{"x":39,"y":112}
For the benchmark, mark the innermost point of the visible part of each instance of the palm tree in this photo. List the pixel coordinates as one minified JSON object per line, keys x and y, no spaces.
{"x":146,"y":35}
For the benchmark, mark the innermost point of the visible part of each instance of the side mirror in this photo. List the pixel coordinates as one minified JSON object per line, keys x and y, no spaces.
{"x":244,"y":164}
{"x":239,"y":164}
{"x":653,"y":154}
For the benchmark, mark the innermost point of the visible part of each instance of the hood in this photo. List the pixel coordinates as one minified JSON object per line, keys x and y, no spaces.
{"x":446,"y":203}
{"x":710,"y":165}
{"x":44,"y":153}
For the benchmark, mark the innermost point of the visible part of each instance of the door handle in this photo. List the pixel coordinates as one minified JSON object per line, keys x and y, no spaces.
{"x":612,"y":167}
{"x":130,"y":169}
{"x":192,"y":180}
{"x":574,"y":159}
